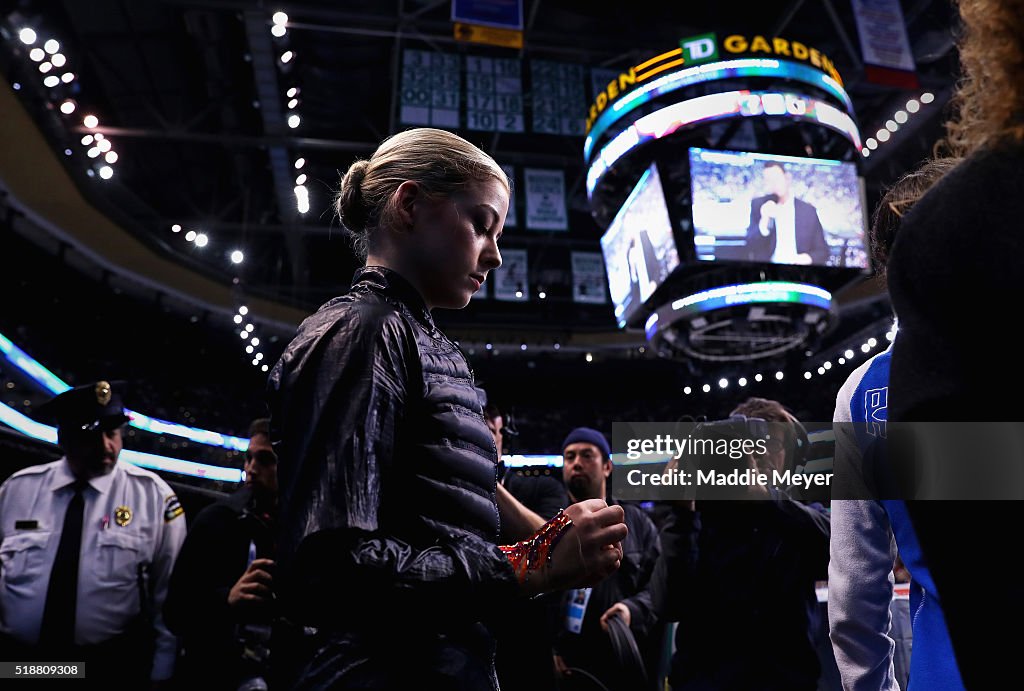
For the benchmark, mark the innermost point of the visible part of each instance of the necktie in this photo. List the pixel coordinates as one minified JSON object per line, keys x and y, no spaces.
{"x":58,"y":630}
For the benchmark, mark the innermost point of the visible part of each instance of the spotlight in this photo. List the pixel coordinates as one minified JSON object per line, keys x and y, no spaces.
{"x":202,"y":240}
{"x":249,"y":349}
{"x":243,"y":334}
{"x":90,"y":121}
{"x":67,"y":107}
{"x":51,"y":81}
{"x":237,"y":257}
{"x":299,"y":162}
{"x":890,"y":336}
{"x":243,"y":310}
{"x":190,"y":235}
{"x":724,"y":383}
{"x":58,"y":60}
{"x":519,"y":294}
{"x":94,"y":152}
{"x":27,"y":36}
{"x":265,"y":368}
{"x":913,"y":106}
{"x":842,"y":361}
{"x":927,"y":97}
{"x":706,"y":388}
{"x":87,"y":140}
{"x":488,"y":346}
{"x":259,"y":356}
{"x":891,"y":125}
{"x":293,"y":103}
{"x":278,"y":30}
{"x":900,"y":116}
{"x":51,"y":46}
{"x":758,"y":377}
{"x":294,"y":120}
{"x":865,"y":348}
{"x":872,"y":342}
{"x":848,"y":354}
{"x":111,"y":157}
{"x":883,"y":135}
{"x":255,"y":361}
{"x":287,"y":56}
{"x":45,"y":67}
{"x":292,"y":92}
{"x":687,"y":390}
{"x":589,"y":358}
{"x":103,"y":145}
{"x":807,"y":375}
{"x":871,"y":143}
{"x":37,"y":54}
{"x":557,"y":346}
{"x":543,"y":295}
{"x":249,"y":328}
{"x":742,"y":381}
{"x":865,"y":152}
{"x":779,"y":375}
{"x":106,"y":172}
{"x":522,"y":346}
{"x":821,"y":370}
{"x":828,"y":365}
{"x":238,"y":319}
{"x":255,"y":341}
{"x":67,"y":77}
{"x":301,"y":180}
{"x":280,"y":18}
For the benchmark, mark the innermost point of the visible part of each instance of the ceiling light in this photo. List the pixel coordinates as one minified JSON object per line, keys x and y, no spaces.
{"x":848,"y":354}
{"x":891,"y":125}
{"x":37,"y":54}
{"x":278,"y":30}
{"x":87,"y":140}
{"x":259,"y":356}
{"x":589,"y":358}
{"x":871,"y":143}
{"x":292,"y":92}
{"x":106,"y":172}
{"x":202,"y":240}
{"x":301,"y":180}
{"x":742,"y":381}
{"x":67,"y":107}
{"x":255,"y":341}
{"x":687,"y":390}
{"x":706,"y":388}
{"x":280,"y":18}
{"x":299,"y":162}
{"x":913,"y":105}
{"x":724,"y":383}
{"x":828,"y":365}
{"x":842,"y":361}
{"x":27,"y":36}
{"x":872,"y":342}
{"x":243,"y":310}
{"x":249,"y":328}
{"x":45,"y":67}
{"x":543,"y":295}
{"x":111,"y":157}
{"x":58,"y":60}
{"x":190,"y":235}
{"x":758,"y":377}
{"x":265,"y":368}
{"x":865,"y":348}
{"x":238,"y":319}
{"x":249,"y":349}
{"x":883,"y":135}
{"x":807,"y":375}
{"x":255,"y":361}
{"x":821,"y":370}
{"x":90,"y":121}
{"x":927,"y":97}
{"x":243,"y":334}
{"x":51,"y":46}
{"x":67,"y":77}
{"x":779,"y":375}
{"x":293,"y":103}
{"x":287,"y":56}
{"x":237,"y":257}
{"x":900,"y":116}
{"x":94,"y":152}
{"x":103,"y":145}
{"x":294,"y":120}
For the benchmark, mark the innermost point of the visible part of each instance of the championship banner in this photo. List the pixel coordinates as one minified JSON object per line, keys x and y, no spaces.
{"x":510,"y":219}
{"x":545,"y":200}
{"x":884,"y":44}
{"x":588,"y":278}
{"x":511,"y":282}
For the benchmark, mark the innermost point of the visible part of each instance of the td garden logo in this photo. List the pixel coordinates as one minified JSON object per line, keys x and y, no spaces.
{"x":698,"y":49}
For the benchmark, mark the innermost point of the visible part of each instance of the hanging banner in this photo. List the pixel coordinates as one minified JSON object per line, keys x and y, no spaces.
{"x":588,"y":278}
{"x":884,"y":44}
{"x":511,"y":279}
{"x":545,"y":199}
{"x":511,"y":220}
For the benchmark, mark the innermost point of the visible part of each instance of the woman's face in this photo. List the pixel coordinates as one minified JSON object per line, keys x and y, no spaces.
{"x":454,"y":243}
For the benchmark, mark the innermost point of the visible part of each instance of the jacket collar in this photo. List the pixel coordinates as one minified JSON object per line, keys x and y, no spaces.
{"x":391,"y":284}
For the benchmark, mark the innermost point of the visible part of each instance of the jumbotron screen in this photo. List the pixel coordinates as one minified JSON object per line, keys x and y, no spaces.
{"x":639,"y":247}
{"x":777,"y":209}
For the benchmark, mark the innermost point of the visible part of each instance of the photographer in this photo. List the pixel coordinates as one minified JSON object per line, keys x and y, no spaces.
{"x":739,"y":577}
{"x":221,"y":597}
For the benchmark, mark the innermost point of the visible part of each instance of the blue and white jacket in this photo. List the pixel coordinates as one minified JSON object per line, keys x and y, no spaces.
{"x":865,"y":536}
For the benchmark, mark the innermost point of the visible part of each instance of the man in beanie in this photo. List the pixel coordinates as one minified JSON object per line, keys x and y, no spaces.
{"x":87,"y":545}
{"x":584,"y":640}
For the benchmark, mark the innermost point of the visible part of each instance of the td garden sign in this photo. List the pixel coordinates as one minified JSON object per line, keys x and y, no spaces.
{"x":706,"y":48}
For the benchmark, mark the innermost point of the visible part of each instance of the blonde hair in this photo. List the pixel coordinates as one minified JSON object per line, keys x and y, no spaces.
{"x":441,"y":163}
{"x":989,"y":100}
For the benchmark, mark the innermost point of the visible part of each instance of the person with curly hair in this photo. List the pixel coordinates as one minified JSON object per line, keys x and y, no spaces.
{"x":954,"y":275}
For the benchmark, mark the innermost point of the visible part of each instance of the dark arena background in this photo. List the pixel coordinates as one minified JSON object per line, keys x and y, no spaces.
{"x":168,"y":168}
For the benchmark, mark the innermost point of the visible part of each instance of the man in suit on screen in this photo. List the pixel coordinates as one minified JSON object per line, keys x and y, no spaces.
{"x":784,"y":229}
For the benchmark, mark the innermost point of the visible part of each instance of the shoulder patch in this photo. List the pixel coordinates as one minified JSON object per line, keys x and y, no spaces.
{"x":172,"y":508}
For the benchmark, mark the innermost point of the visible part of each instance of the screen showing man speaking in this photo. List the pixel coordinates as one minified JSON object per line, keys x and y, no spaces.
{"x":776,"y":209}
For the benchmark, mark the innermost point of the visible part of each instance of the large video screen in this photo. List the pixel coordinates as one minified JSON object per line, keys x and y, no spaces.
{"x":639,"y":247}
{"x":777,"y":209}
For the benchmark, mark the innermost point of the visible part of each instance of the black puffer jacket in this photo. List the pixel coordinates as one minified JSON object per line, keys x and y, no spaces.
{"x":388,"y":514}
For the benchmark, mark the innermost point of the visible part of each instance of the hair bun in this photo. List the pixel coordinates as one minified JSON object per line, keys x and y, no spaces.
{"x":350,"y":205}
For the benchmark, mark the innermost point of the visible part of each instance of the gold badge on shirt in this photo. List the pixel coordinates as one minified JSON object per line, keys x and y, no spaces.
{"x":122,"y":516}
{"x":103,"y":394}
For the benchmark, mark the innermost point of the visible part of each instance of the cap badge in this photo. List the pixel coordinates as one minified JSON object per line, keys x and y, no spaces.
{"x":122,"y":516}
{"x":103,"y":392}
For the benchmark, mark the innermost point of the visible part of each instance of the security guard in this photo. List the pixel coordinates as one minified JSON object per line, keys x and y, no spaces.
{"x":86,"y":550}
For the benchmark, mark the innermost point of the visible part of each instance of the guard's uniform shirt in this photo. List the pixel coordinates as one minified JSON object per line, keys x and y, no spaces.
{"x":131,"y":519}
